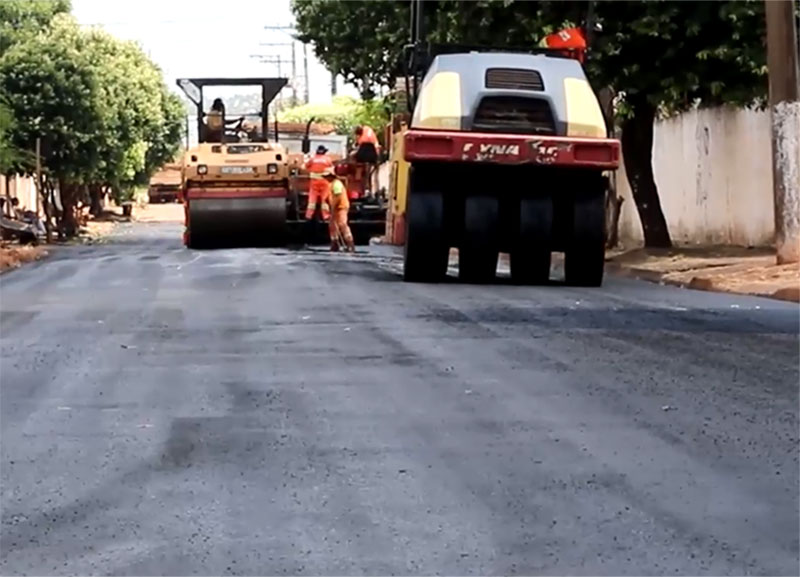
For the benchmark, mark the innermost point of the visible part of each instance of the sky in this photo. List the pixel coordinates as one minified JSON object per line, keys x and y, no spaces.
{"x":206,"y":38}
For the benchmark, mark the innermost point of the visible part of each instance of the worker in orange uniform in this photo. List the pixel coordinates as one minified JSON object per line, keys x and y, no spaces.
{"x":365,"y":157}
{"x":367,"y":146}
{"x":319,"y":189}
{"x":341,"y":205}
{"x":572,"y":40}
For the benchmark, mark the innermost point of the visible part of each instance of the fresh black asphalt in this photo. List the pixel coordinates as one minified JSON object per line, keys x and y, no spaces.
{"x":264,"y":412}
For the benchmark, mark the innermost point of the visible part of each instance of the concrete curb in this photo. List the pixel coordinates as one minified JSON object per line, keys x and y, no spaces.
{"x":791,"y":294}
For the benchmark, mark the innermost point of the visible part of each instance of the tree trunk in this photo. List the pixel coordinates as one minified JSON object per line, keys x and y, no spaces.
{"x":637,"y":152}
{"x":43,"y":189}
{"x":7,"y":204}
{"x":69,"y":225}
{"x":96,"y":195}
{"x":613,"y":212}
{"x":48,"y":207}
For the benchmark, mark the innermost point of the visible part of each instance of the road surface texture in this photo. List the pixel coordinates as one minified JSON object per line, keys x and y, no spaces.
{"x":294,"y":412}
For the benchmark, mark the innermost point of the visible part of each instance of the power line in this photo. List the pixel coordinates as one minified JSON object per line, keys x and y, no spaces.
{"x":291,"y":31}
{"x":139,"y":23}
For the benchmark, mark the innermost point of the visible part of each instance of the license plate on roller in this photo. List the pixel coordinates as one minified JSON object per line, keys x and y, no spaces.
{"x":236,"y":170}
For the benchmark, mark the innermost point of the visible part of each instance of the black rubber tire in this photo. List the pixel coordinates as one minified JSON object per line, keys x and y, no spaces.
{"x":584,"y":257}
{"x":531,"y":252}
{"x":195,"y":241}
{"x":426,"y":249}
{"x":478,"y":251}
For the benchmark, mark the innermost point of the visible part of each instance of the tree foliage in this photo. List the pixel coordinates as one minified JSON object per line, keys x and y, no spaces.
{"x":660,"y":55}
{"x":345,"y":113}
{"x":99,"y":105}
{"x":141,"y":120}
{"x":708,"y":52}
{"x":53,"y":95}
{"x":701,"y":53}
{"x":358,"y":39}
{"x":8,"y":153}
{"x":19,"y":18}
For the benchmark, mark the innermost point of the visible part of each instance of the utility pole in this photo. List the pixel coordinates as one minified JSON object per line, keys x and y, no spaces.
{"x":279,"y":62}
{"x":290,"y":30}
{"x":784,"y":103}
{"x":40,"y":190}
{"x":293,"y":79}
{"x":294,"y":75}
{"x":305,"y":70}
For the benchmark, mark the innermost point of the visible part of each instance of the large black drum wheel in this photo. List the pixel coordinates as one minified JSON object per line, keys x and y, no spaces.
{"x":532,"y":247}
{"x":194,"y":241}
{"x":584,"y":257}
{"x":478,"y":250}
{"x":426,"y":248}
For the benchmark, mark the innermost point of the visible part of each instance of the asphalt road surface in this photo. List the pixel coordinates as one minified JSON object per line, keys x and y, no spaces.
{"x":294,"y":412}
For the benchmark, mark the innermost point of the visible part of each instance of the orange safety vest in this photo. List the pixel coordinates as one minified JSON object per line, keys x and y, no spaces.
{"x":339,"y":196}
{"x":318,"y":164}
{"x":367,"y":136}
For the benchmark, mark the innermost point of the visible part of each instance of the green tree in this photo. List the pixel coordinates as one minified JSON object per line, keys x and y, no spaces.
{"x":166,"y":141}
{"x":699,"y":53}
{"x":345,"y":113}
{"x":358,"y":39}
{"x":659,"y":56}
{"x":141,"y":120}
{"x":99,"y":105}
{"x":52,"y":92}
{"x":9,"y":155}
{"x":19,"y":18}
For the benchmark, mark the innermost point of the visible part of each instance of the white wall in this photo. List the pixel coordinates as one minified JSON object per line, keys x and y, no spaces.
{"x":23,"y":188}
{"x":713,"y":168}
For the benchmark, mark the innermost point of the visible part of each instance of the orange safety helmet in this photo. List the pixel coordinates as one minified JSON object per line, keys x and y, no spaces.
{"x":571,"y":40}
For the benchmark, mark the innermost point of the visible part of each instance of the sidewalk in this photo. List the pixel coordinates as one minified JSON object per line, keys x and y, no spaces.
{"x":720,"y":269}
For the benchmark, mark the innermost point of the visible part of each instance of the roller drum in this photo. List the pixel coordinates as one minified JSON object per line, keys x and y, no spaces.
{"x":238,"y":221}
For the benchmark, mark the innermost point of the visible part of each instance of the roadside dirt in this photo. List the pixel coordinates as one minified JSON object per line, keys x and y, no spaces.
{"x":721,"y":269}
{"x":12,"y":255}
{"x":94,"y":231}
{"x":170,"y":212}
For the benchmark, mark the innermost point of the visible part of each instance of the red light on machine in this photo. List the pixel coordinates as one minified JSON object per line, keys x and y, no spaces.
{"x":342,"y":170}
{"x":433,"y":146}
{"x":594,"y":153}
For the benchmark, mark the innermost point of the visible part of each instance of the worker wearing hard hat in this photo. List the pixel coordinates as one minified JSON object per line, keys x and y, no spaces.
{"x":319,"y":189}
{"x":572,"y":41}
{"x":338,"y":227}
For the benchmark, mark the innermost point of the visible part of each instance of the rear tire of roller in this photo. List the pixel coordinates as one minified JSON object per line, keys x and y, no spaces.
{"x":479,"y":248}
{"x":530,"y":255}
{"x":584,"y":257}
{"x":426,"y":249}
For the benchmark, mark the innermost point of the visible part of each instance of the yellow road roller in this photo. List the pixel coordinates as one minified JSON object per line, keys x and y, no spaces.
{"x":235,"y":182}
